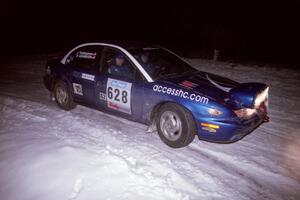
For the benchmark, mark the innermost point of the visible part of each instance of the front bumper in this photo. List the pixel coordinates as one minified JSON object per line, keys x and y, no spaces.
{"x":229,"y":130}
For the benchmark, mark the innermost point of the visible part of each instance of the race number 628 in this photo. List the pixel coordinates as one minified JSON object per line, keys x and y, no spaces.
{"x":117,"y":94}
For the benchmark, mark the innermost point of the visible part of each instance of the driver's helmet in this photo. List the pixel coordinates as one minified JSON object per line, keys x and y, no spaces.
{"x":118,"y":56}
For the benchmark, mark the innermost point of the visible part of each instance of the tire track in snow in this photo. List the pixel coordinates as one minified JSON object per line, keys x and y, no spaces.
{"x":91,"y":140}
{"x":189,"y":159}
{"x":231,"y":165}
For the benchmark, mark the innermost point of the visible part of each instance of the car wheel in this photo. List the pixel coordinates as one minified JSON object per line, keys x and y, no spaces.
{"x":63,"y":96}
{"x":176,"y":125}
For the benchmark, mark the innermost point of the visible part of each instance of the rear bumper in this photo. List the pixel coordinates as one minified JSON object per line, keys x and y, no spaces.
{"x":47,"y":82}
{"x":229,"y":131}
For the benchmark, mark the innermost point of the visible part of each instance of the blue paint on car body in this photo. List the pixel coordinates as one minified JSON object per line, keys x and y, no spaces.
{"x":198,"y":92}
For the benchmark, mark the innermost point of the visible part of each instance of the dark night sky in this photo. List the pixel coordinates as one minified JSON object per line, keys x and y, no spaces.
{"x":241,"y":30}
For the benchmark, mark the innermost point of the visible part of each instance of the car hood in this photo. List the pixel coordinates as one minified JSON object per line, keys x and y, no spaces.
{"x":213,"y":86}
{"x":218,"y":88}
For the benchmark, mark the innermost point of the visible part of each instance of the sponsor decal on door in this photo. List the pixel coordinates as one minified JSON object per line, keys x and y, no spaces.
{"x":88,"y":77}
{"x":77,"y":88}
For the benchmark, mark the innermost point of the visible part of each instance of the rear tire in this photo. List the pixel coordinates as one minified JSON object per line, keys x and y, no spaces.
{"x":63,"y":96}
{"x":176,"y":125}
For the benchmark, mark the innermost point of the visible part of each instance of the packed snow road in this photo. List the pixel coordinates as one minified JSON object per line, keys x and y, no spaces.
{"x":48,"y":153}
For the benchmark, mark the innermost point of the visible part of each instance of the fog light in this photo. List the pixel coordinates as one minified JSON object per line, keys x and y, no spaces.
{"x":210,"y":125}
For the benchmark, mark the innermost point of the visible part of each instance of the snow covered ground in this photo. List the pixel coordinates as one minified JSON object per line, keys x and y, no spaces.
{"x":48,"y":154}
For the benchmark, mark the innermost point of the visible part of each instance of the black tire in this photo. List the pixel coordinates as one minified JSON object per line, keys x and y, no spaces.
{"x":181,"y":137}
{"x":66,"y":103}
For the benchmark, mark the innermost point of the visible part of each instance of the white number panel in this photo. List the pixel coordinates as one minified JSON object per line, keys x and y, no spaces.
{"x":118,"y":95}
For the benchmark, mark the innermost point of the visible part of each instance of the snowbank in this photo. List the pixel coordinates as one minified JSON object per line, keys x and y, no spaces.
{"x":47,"y":153}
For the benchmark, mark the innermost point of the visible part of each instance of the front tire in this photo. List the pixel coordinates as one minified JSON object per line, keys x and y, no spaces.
{"x":176,"y":125}
{"x":63,"y":96}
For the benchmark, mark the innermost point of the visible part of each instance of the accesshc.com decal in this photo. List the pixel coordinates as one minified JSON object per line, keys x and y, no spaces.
{"x":180,"y":93}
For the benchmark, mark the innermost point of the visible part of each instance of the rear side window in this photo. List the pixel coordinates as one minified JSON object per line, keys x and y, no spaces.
{"x":85,"y":57}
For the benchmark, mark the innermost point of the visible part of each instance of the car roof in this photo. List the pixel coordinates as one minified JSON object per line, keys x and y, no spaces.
{"x":123,"y":46}
{"x":130,"y":44}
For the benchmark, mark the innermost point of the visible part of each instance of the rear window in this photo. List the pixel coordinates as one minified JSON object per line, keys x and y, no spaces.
{"x":85,"y":57}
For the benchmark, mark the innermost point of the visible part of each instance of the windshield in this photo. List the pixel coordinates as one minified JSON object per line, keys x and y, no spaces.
{"x":160,"y":63}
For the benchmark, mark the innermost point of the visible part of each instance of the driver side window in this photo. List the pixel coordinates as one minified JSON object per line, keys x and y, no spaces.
{"x":116,"y":63}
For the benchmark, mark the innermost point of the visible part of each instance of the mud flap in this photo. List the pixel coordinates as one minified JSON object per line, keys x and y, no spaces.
{"x":152,"y":127}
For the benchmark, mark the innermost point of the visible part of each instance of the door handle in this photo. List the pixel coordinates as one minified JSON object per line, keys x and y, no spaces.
{"x":100,"y":83}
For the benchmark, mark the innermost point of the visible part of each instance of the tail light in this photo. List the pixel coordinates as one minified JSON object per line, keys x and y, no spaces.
{"x":48,"y":70}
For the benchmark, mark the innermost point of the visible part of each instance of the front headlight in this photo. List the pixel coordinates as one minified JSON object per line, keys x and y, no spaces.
{"x":261,"y":97}
{"x":245,"y":112}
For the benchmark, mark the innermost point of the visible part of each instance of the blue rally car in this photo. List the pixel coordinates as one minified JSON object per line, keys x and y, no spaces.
{"x":152,"y":85}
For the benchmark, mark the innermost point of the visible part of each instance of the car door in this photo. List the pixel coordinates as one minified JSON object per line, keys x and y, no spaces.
{"x":121,"y":94}
{"x":84,"y":63}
